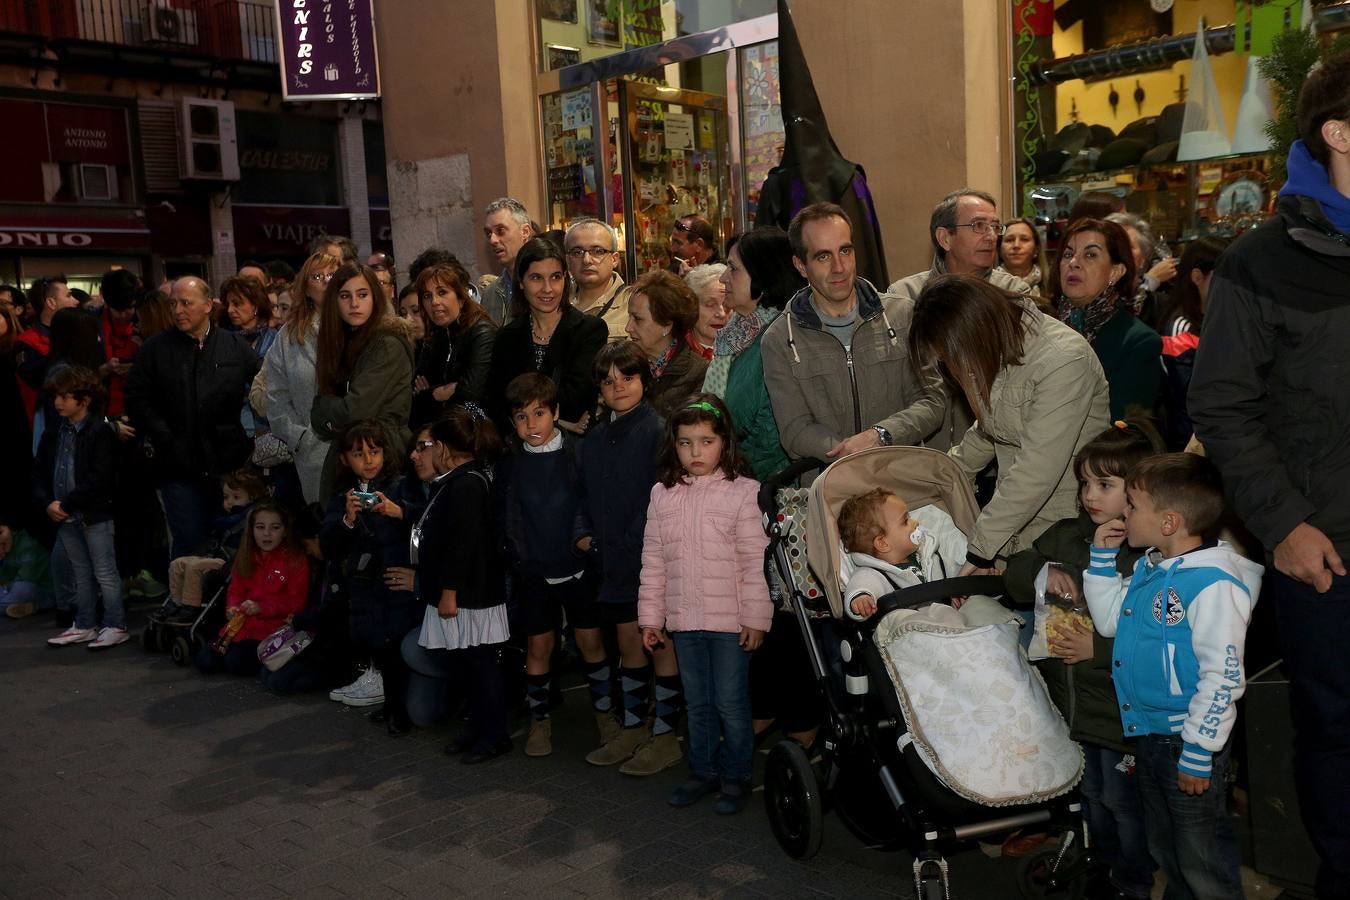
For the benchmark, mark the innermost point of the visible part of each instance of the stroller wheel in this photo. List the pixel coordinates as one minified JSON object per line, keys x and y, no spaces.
{"x":180,"y":651}
{"x":792,"y":799}
{"x":150,"y":638}
{"x":1046,"y":873}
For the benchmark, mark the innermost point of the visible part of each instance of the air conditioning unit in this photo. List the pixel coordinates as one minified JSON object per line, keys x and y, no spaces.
{"x":98,"y":181}
{"x":167,"y":24}
{"x":207,"y":132}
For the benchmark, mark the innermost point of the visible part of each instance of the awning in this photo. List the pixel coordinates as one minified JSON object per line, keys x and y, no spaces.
{"x":63,"y":232}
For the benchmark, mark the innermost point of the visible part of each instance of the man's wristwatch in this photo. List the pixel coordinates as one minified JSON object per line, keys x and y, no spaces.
{"x":884,"y":435}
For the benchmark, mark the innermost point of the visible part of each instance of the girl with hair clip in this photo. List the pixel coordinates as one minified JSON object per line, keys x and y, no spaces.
{"x":1078,"y":669}
{"x":703,"y":582}
{"x":269,"y":582}
{"x":460,"y":574}
{"x":364,"y":367}
{"x":365,"y":541}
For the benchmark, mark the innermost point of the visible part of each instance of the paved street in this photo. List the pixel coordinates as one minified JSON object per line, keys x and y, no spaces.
{"x":131,"y":777}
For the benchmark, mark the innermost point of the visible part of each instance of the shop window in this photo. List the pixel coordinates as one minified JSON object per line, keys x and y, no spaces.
{"x":573,"y":31}
{"x":571,"y":128}
{"x":287,"y":160}
{"x":377,"y":178}
{"x":762,"y":121}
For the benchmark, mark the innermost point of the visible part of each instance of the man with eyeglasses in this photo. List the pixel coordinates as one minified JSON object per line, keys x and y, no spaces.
{"x":592,"y":257}
{"x":693,"y":243}
{"x":186,"y":388}
{"x":965,"y":231}
{"x":507,"y":227}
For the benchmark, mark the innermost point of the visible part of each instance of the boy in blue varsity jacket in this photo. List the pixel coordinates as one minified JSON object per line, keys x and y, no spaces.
{"x":1177,"y":664}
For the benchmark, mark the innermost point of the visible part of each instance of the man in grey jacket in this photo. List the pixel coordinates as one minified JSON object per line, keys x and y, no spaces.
{"x":507,"y":227}
{"x":836,"y":364}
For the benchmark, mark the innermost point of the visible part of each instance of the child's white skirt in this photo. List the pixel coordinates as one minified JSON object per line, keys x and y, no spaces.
{"x":469,"y":628}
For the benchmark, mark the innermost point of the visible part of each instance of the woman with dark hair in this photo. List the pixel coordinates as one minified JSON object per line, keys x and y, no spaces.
{"x":1181,"y":333}
{"x":364,"y":365}
{"x":547,"y":334}
{"x":74,"y":342}
{"x":456,"y":354}
{"x":661,"y":311}
{"x":1038,"y":394}
{"x":290,"y":374}
{"x":1023,"y":254}
{"x":760,"y":279}
{"x":1096,"y":283}
{"x":250,"y":311}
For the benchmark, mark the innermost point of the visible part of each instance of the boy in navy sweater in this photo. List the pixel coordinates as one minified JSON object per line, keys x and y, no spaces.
{"x":540,"y":491}
{"x":1180,"y":623}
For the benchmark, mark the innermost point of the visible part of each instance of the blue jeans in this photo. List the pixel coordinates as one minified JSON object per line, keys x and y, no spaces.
{"x":24,"y":592}
{"x":715,"y":672}
{"x":1312,"y":638}
{"x":1115,"y":815}
{"x":189,"y":507}
{"x":1191,"y":837}
{"x":431,"y":677}
{"x":92,"y":558}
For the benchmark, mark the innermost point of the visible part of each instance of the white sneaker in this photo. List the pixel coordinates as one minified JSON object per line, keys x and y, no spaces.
{"x":109,"y":637}
{"x":73,"y":635}
{"x":342,"y":693}
{"x":369,"y":691}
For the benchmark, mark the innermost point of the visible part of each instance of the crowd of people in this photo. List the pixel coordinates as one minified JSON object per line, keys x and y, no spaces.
{"x":417,"y":480}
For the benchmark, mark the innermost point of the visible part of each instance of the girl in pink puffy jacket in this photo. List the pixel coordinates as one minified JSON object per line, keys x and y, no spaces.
{"x":703,"y":583}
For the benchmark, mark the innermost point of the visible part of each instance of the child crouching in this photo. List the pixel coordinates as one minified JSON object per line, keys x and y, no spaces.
{"x":703,"y":581}
{"x":1180,"y":625}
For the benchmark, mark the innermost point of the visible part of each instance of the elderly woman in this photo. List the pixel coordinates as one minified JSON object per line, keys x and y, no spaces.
{"x":661,"y":311}
{"x":546,"y":334}
{"x":364,"y":365}
{"x":290,"y":374}
{"x":706,"y":283}
{"x":759,"y":279}
{"x":1154,"y":264}
{"x":1022,"y":254}
{"x":1096,"y":282}
{"x":250,"y":311}
{"x":1038,"y":393}
{"x":456,"y":356}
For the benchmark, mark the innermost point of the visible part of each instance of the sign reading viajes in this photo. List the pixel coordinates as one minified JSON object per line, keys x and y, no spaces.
{"x":327,"y":49}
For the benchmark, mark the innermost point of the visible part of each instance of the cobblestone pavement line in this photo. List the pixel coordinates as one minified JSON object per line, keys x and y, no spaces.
{"x":130,"y":777}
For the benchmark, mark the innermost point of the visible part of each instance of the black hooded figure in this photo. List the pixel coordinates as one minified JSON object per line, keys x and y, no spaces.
{"x":812,"y":169}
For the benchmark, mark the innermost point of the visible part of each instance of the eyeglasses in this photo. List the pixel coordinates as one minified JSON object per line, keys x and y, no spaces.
{"x":423,"y":445}
{"x":682,"y":226}
{"x":321,"y":277}
{"x":983,"y":227}
{"x":592,"y":252}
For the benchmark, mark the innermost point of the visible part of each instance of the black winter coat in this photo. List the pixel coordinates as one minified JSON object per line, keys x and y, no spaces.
{"x":184,"y":400}
{"x":618,"y":463}
{"x":569,"y":361}
{"x":1268,"y":396}
{"x":465,"y":360}
{"x":458,"y":549}
{"x":95,"y":471}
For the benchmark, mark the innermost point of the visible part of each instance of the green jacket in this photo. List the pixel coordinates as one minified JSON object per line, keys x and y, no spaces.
{"x":1084,"y":692}
{"x":27,"y":561}
{"x":1130,"y":353}
{"x":748,"y":400}
{"x":380,"y":388}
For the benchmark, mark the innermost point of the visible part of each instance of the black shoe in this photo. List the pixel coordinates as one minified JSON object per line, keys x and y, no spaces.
{"x":460,"y":743}
{"x":481,"y":753}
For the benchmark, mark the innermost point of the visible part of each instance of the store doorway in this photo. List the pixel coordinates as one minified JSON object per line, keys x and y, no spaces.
{"x":676,"y":163}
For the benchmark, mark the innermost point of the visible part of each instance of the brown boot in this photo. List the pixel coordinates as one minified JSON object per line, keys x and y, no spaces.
{"x":608,"y":725}
{"x":540,"y":740}
{"x":657,"y":755}
{"x":620,"y":747}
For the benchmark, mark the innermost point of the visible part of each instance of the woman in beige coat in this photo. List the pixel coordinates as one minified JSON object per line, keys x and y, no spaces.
{"x":1038,"y":393}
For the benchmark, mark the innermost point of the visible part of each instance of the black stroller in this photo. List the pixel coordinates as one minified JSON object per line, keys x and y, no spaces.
{"x":873,"y":767}
{"x":184,"y":637}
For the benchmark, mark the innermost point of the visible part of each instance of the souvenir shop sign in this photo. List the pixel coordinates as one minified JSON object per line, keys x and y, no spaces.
{"x":327,"y":50}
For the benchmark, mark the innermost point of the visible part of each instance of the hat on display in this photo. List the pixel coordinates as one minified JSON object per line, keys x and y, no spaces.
{"x":1121,"y":153}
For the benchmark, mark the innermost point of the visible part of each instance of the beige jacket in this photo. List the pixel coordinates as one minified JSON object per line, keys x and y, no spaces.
{"x":616,"y":317}
{"x":958,"y":418}
{"x":1044,"y":411}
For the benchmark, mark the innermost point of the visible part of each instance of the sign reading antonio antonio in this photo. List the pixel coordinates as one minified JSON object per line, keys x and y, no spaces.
{"x":327,"y":50}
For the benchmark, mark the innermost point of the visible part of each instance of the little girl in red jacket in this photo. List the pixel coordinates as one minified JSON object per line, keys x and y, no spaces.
{"x":268,"y":584}
{"x":703,"y":582}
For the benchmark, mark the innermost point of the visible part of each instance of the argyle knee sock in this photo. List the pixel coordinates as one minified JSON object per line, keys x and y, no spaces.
{"x":637,"y":693}
{"x":597,"y":679}
{"x":536,"y":692}
{"x":669,"y":703}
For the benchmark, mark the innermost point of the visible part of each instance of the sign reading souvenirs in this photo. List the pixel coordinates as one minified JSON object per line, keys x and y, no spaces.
{"x":327,"y":50}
